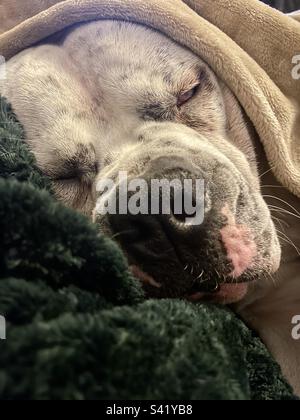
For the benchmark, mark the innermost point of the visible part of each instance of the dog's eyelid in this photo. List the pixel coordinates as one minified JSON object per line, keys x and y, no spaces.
{"x":66,"y":178}
{"x":187,"y":95}
{"x":78,"y":175}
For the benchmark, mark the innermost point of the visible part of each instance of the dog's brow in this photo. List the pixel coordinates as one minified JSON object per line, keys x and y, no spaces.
{"x":192,"y":77}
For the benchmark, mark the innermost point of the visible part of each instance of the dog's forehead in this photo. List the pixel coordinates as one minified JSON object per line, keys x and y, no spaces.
{"x":127,"y":51}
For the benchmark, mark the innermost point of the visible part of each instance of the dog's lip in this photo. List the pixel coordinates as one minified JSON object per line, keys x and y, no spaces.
{"x":224,"y":294}
{"x":227,"y":294}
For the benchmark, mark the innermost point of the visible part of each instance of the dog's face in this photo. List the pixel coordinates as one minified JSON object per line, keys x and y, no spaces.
{"x":161,"y":113}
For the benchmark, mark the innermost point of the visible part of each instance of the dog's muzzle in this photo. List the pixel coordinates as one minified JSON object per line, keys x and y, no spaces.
{"x":173,"y":256}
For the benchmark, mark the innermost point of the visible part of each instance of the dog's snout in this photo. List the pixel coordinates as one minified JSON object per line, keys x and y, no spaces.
{"x":172,"y":166}
{"x":183,"y":237}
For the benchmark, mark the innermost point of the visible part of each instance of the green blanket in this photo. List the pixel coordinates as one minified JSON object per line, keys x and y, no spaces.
{"x":78,"y":326}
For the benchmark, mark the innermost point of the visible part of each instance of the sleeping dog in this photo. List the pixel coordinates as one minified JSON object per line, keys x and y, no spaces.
{"x":106,"y":97}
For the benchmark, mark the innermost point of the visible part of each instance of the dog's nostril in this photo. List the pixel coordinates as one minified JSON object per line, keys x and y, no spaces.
{"x":133,"y":230}
{"x":178,"y":207}
{"x":183,"y":217}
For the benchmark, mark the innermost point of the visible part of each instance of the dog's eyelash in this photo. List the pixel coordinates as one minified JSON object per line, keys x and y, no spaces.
{"x":185,"y":97}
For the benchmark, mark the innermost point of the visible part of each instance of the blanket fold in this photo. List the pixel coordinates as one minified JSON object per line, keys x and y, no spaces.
{"x":251,"y":46}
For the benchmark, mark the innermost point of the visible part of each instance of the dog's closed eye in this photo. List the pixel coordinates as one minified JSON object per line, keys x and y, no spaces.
{"x":80,"y":166}
{"x":78,"y":174}
{"x":185,"y":97}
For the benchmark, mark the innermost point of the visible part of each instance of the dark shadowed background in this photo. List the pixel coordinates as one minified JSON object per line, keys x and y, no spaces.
{"x":284,"y":5}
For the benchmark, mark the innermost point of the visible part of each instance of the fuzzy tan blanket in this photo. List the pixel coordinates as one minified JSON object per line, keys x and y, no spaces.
{"x":253,"y":48}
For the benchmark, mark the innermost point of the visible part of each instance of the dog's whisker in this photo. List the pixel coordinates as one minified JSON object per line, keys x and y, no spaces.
{"x":186,"y":267}
{"x":277,"y":209}
{"x":281,"y":222}
{"x":269,"y":278}
{"x":265,"y":173}
{"x":283,"y":211}
{"x":284,"y":202}
{"x":286,"y":239}
{"x":118,"y":234}
{"x":218,"y":274}
{"x":273,"y":279}
{"x":200,"y":276}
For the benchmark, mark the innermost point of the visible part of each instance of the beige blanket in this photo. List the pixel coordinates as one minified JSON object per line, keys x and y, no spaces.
{"x":252,"y":47}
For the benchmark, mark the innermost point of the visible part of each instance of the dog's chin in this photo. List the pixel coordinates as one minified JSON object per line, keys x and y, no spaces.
{"x":224,"y":294}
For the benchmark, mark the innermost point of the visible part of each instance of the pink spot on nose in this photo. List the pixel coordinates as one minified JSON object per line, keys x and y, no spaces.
{"x":239,"y":244}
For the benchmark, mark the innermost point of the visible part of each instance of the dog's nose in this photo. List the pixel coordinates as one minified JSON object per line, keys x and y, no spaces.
{"x":173,"y":230}
{"x":172,"y":204}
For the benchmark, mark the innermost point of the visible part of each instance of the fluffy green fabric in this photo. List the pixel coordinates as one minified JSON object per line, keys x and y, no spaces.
{"x":78,"y":326}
